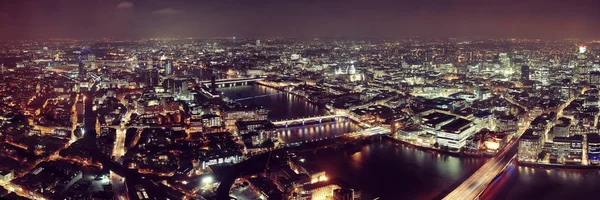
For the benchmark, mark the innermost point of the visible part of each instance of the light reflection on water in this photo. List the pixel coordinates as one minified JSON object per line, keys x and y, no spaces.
{"x":521,"y":182}
{"x":382,"y":169}
{"x":315,"y":131}
{"x":287,"y":106}
{"x":282,"y":106}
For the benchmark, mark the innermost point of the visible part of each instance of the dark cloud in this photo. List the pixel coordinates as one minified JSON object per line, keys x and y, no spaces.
{"x":125,"y":5}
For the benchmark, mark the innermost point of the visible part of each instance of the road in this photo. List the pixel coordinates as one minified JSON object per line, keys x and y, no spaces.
{"x":478,"y":181}
{"x":132,"y":177}
{"x":119,"y":146}
{"x":118,"y":185}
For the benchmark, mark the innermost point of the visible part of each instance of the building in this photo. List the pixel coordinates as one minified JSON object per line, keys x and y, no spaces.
{"x":346,"y":194}
{"x":82,"y":71}
{"x":595,"y":78}
{"x":451,"y":132}
{"x":454,"y":134}
{"x":319,"y":190}
{"x":507,"y":124}
{"x":525,"y":73}
{"x":265,"y":187}
{"x":6,"y":176}
{"x":152,"y":78}
{"x":216,"y":158}
{"x":243,"y":113}
{"x":567,"y":149}
{"x":244,"y":127}
{"x":211,"y":120}
{"x":530,"y":146}
{"x":168,"y":68}
{"x":561,"y":129}
{"x":593,"y":148}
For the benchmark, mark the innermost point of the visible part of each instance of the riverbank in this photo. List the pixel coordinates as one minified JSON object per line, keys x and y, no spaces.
{"x":266,"y":84}
{"x":557,"y":166}
{"x":437,"y":150}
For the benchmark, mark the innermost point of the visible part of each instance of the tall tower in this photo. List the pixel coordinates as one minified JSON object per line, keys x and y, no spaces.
{"x":91,"y":59}
{"x":258,"y":43}
{"x":149,"y":64}
{"x":2,"y":68}
{"x":82,"y":71}
{"x":525,"y":73}
{"x":168,"y":68}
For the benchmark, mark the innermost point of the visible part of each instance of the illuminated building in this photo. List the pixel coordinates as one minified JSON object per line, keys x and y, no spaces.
{"x":219,"y":158}
{"x":562,"y":128}
{"x":541,"y":74}
{"x":232,"y":115}
{"x":319,"y":191}
{"x":141,"y":192}
{"x":593,"y":148}
{"x":168,"y":68}
{"x":346,"y":194}
{"x":149,"y":64}
{"x":529,"y":147}
{"x":450,"y":131}
{"x":352,"y":70}
{"x":455,"y":133}
{"x":567,"y":149}
{"x":6,"y":176}
{"x":595,"y":78}
{"x":581,"y":49}
{"x":211,"y":120}
{"x":295,"y":57}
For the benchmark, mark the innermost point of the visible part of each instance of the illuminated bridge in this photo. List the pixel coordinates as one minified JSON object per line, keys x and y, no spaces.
{"x":307,"y":119}
{"x":474,"y":186}
{"x":258,"y":96}
{"x":232,"y":82}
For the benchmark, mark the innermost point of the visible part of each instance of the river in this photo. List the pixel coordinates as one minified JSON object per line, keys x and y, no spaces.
{"x":390,"y":171}
{"x":520,"y":182}
{"x":282,"y":106}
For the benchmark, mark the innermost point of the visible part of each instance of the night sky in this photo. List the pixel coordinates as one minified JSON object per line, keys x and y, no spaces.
{"x":39,"y":19}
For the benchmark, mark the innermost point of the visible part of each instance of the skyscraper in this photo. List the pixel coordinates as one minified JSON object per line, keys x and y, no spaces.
{"x":258,"y":43}
{"x":152,"y":78}
{"x":168,"y":68}
{"x":595,"y":78}
{"x":82,"y":71}
{"x":525,"y":73}
{"x":149,"y":64}
{"x":169,"y":84}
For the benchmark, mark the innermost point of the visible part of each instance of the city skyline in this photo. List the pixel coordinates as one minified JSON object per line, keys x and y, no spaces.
{"x":299,"y":99}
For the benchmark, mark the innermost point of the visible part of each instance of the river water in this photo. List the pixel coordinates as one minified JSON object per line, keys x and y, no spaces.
{"x":282,"y":105}
{"x":520,"y":182}
{"x":389,"y":171}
